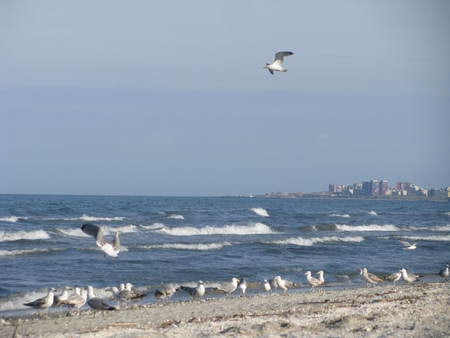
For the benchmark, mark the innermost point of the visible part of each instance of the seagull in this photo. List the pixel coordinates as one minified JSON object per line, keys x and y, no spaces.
{"x":311,"y":280}
{"x":445,"y":273}
{"x":129,"y":292}
{"x":166,"y":291}
{"x":242,"y":286}
{"x":369,"y":277}
{"x":229,"y":287}
{"x":321,"y":278}
{"x":60,"y":299}
{"x":408,"y":246}
{"x":395,"y":277}
{"x":110,"y":248}
{"x":97,"y":303}
{"x":278,"y":282}
{"x":277,"y":64}
{"x":198,"y":291}
{"x":44,"y":302}
{"x":78,"y":299}
{"x":266,"y":285}
{"x":409,"y":276}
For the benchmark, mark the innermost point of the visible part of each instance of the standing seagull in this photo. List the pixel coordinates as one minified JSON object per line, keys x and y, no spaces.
{"x":311,"y":280}
{"x":111,"y":248}
{"x":395,"y":277}
{"x":229,"y":287}
{"x":44,"y":302}
{"x":242,"y":286}
{"x":409,"y":276}
{"x":369,"y":277}
{"x":445,"y":273}
{"x":97,"y":303}
{"x":277,"y":64}
{"x":266,"y":285}
{"x":198,"y":291}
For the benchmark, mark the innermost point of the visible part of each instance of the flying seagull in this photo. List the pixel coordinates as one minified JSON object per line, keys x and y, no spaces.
{"x":409,"y":246}
{"x":277,"y":64}
{"x":110,"y":248}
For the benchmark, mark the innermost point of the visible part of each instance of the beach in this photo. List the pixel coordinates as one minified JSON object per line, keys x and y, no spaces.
{"x":407,"y":310}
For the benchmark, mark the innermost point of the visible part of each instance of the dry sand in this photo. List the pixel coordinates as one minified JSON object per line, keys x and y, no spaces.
{"x":419,"y":310}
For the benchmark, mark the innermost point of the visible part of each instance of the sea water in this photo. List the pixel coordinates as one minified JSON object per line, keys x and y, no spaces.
{"x":185,"y":239}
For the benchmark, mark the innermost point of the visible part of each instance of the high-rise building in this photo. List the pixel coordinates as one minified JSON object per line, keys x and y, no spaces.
{"x":384,"y":187}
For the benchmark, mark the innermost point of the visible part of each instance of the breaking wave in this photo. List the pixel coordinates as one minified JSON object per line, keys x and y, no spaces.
{"x":76,"y":232}
{"x":94,"y":218}
{"x":4,"y":253}
{"x":184,"y":246}
{"x":300,"y":241}
{"x":369,"y":227}
{"x":433,"y":228}
{"x":260,"y":211}
{"x":153,"y":226}
{"x":340,"y":215}
{"x":443,"y":238}
{"x":251,"y":229}
{"x":122,"y":229}
{"x":12,"y":219}
{"x":372,"y":213}
{"x":176,"y":216}
{"x":21,"y":235}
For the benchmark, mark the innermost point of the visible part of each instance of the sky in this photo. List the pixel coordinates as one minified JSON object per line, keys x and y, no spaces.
{"x":171,"y":98}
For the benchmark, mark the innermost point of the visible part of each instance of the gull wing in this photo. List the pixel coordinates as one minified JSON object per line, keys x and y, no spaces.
{"x":405,"y":243}
{"x":93,"y":230}
{"x":280,"y":56}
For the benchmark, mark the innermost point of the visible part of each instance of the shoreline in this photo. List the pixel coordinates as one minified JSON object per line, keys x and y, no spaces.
{"x":394,"y":310}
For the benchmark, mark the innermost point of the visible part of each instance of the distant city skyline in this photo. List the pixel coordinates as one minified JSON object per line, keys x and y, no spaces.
{"x":171,"y":98}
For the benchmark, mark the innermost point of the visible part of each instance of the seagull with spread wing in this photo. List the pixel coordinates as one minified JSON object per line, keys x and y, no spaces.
{"x":277,"y":64}
{"x":110,"y":248}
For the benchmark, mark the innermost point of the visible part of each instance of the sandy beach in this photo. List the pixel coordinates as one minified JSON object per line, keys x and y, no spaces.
{"x":419,"y":310}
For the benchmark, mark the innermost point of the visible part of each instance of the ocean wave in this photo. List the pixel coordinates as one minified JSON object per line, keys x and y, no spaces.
{"x":369,"y":227}
{"x":372,"y":213}
{"x":340,"y":215}
{"x":185,"y":246}
{"x":122,"y":229}
{"x":300,"y":241}
{"x":12,"y":219}
{"x":175,"y":216}
{"x":75,"y":232}
{"x":260,"y":211}
{"x":432,"y":228}
{"x":153,"y":226}
{"x":4,"y":253}
{"x":106,"y":219}
{"x":443,"y":238}
{"x":251,"y":229}
{"x":20,"y":235}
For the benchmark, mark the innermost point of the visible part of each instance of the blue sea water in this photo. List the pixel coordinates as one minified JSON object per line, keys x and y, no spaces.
{"x":184,"y":239}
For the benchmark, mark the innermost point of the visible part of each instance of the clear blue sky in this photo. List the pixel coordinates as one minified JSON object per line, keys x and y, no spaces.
{"x":170,"y":97}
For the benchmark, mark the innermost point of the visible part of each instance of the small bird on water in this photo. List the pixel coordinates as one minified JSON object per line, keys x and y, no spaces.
{"x":277,"y":64}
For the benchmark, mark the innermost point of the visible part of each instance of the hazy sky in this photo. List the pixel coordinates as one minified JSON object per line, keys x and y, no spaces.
{"x":170,"y":97}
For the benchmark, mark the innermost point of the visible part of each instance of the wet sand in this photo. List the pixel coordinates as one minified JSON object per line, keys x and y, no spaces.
{"x":419,"y":310}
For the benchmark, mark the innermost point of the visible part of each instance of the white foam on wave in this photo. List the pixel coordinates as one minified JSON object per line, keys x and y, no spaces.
{"x":19,"y":235}
{"x":432,"y":228}
{"x":368,"y":227}
{"x":176,"y":216}
{"x":300,"y":241}
{"x":122,"y":229}
{"x":340,"y":215}
{"x":260,"y":211}
{"x":251,"y":229}
{"x":185,"y":246}
{"x":4,"y":253}
{"x":372,"y":213}
{"x":153,"y":226}
{"x":443,"y":238}
{"x":94,"y":218}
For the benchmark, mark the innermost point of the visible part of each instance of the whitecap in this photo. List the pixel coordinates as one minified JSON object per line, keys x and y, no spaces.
{"x":95,"y":219}
{"x":372,"y":213}
{"x":176,"y":216}
{"x":75,"y":232}
{"x":4,"y":253}
{"x":369,"y":227}
{"x":12,"y":219}
{"x":108,"y":230}
{"x":19,"y":235}
{"x":443,"y":238}
{"x":153,"y":226}
{"x":185,"y":246}
{"x":432,"y":228}
{"x":260,"y":211}
{"x":251,"y":229}
{"x":340,"y":215}
{"x":300,"y":241}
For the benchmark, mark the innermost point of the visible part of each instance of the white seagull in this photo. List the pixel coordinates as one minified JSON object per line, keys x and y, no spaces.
{"x":266,"y":285}
{"x":277,"y":64}
{"x":409,"y":246}
{"x":409,"y":276}
{"x":229,"y":287}
{"x":311,"y":280}
{"x":44,"y":302}
{"x":242,"y":286}
{"x":198,"y":291}
{"x":395,"y":277}
{"x":369,"y":277}
{"x":445,"y":273}
{"x":110,"y":248}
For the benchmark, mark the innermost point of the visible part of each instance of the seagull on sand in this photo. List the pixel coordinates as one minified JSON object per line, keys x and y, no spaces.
{"x":311,"y":280}
{"x":277,"y":64}
{"x":266,"y":285}
{"x":408,"y":246}
{"x":283,"y":284}
{"x":229,"y":287}
{"x":44,"y":302}
{"x":321,"y":278}
{"x":409,"y":276}
{"x":60,"y":299}
{"x":97,"y":303}
{"x":395,"y":277}
{"x":242,"y":286}
{"x":369,"y":278}
{"x":78,"y":299}
{"x":445,"y":273}
{"x":198,"y":291}
{"x":110,"y":248}
{"x":129,"y":292}
{"x":166,"y":291}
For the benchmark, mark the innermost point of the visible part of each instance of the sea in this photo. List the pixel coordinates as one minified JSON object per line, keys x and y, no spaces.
{"x":185,"y":239}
